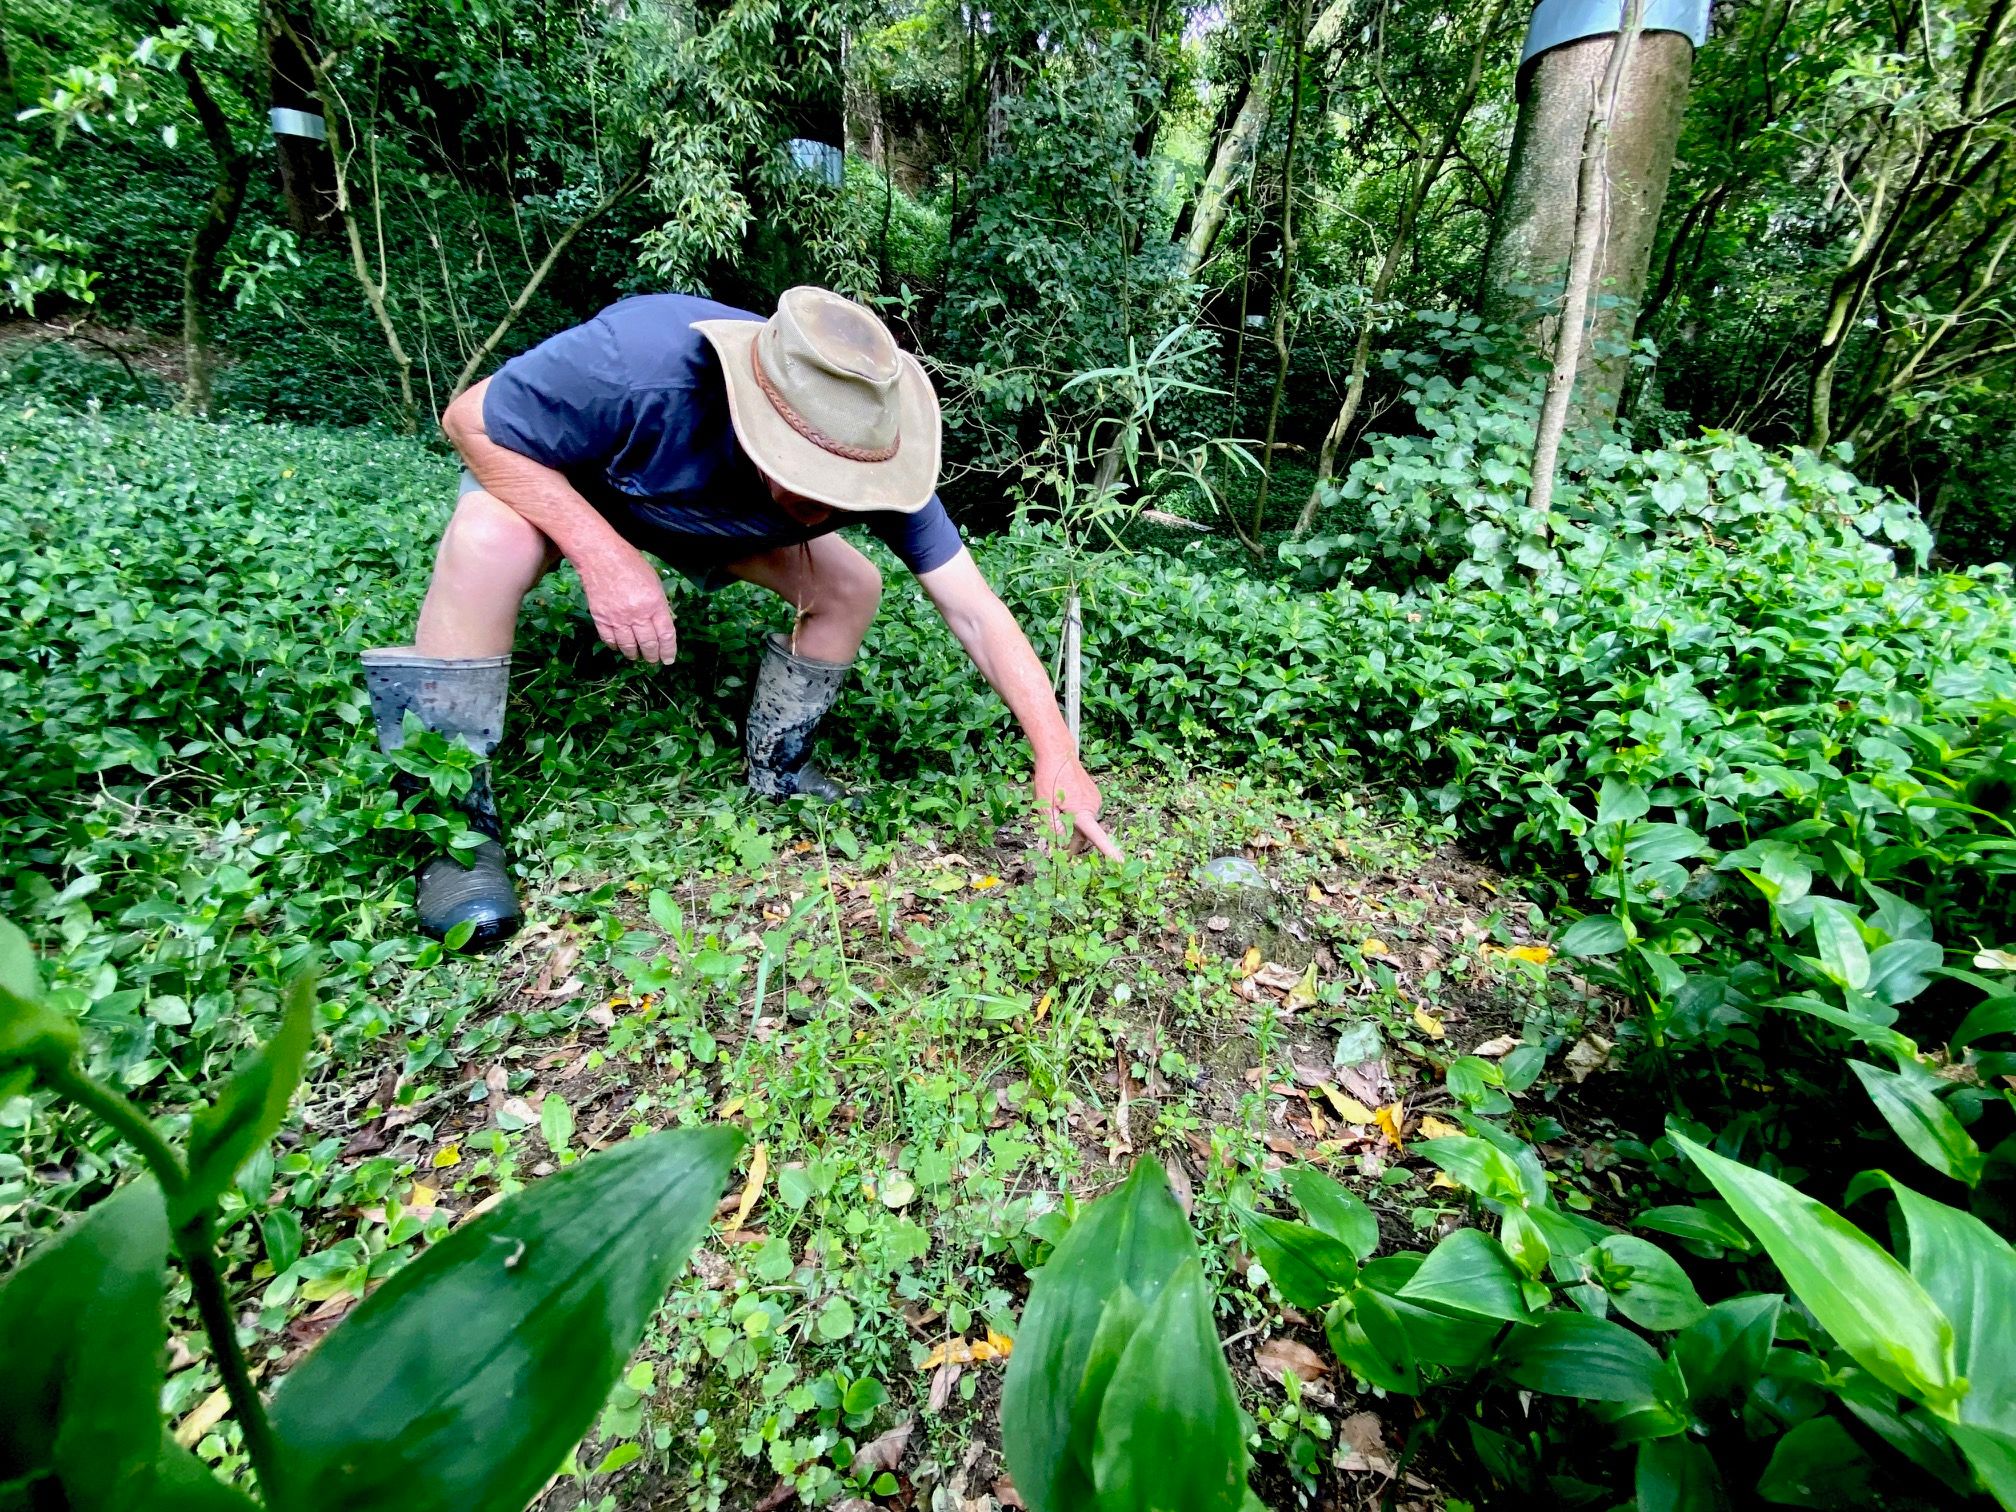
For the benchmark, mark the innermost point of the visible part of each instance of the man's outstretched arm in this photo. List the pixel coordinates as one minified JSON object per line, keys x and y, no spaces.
{"x":988,"y":631}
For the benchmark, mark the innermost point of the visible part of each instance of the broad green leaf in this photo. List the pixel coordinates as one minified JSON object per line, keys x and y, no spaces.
{"x":1307,"y":1266}
{"x":30,"y":1030}
{"x":85,"y":1334}
{"x":1648,"y":843}
{"x":1434,"y":1336}
{"x":1969,"y":1271}
{"x":1995,"y":1015}
{"x":1368,"y":1335}
{"x":1897,"y":917}
{"x":1695,"y":1222}
{"x":183,"y":1483}
{"x":556,"y":1122}
{"x":1477,"y":1164}
{"x":1901,"y":970}
{"x":1596,"y":935}
{"x":1524,"y":1240}
{"x":1722,"y":1355}
{"x":1336,"y":1211}
{"x":1169,"y":1436}
{"x":462,"y":1383}
{"x":1817,"y":1464}
{"x":1620,"y":802}
{"x":1135,"y":1237}
{"x":1838,"y":938}
{"x":1925,"y":1124}
{"x":1991,"y":1454}
{"x":1117,"y":1324}
{"x":1647,"y":1285}
{"x":224,"y":1135}
{"x":1676,"y":1474}
{"x":1575,"y":1355}
{"x":1854,"y":1287}
{"x":1469,"y":1272}
{"x":1779,"y":871}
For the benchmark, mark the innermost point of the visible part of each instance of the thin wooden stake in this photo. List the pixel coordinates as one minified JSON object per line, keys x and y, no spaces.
{"x":1073,"y":663}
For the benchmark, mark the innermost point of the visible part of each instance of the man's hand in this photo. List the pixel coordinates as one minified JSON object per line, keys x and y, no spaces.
{"x":628,"y":604}
{"x":1067,"y":801}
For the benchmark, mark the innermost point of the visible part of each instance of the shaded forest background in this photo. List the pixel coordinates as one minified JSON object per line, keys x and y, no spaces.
{"x":1125,"y":234}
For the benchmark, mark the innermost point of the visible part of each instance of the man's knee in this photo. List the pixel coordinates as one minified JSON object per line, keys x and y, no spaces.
{"x":490,"y":536}
{"x":861,"y":587}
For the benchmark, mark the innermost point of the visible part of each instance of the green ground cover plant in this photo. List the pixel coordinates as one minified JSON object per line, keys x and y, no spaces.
{"x":1750,"y":757}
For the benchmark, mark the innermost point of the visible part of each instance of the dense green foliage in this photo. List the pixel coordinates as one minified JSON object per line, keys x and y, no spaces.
{"x":1734,"y":714}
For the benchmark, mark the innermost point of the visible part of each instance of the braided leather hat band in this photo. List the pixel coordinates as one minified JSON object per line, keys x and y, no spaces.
{"x":807,"y":429}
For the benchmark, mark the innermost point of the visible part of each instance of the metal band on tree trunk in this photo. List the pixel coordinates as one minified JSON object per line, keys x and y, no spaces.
{"x":1560,"y":21}
{"x":298,"y":123}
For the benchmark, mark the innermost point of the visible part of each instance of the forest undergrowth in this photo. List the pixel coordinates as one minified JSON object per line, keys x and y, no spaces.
{"x":1670,"y":815}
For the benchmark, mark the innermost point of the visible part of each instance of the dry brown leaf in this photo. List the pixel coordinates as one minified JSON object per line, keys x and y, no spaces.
{"x":1006,"y":1494}
{"x":1218,"y":923}
{"x":1589,"y":1054}
{"x":1361,"y":1445}
{"x":1493,"y":1049}
{"x":1273,"y":974}
{"x":884,"y":1452}
{"x":942,"y":1382}
{"x":759,"y":1167}
{"x":1279,"y":1355}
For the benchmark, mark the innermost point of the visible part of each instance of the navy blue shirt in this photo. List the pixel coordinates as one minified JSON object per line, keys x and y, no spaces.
{"x":632,"y":408}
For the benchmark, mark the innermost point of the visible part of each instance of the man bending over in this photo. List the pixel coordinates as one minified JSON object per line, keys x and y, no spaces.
{"x":727,"y":446}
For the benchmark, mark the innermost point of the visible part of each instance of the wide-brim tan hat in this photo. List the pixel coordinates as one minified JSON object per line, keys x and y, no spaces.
{"x":827,"y":405}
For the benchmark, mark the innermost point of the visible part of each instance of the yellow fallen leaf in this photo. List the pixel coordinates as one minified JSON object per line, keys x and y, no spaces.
{"x":1043,"y":1006}
{"x":1249,"y":962}
{"x":1303,"y":993}
{"x":1315,"y":893}
{"x":1348,"y":1107}
{"x":421,"y":1201}
{"x":1003,"y":1345}
{"x":446,"y":1156}
{"x":759,"y":1167}
{"x":983,"y":884}
{"x":1446,"y":1182}
{"x":1438,"y":1128}
{"x":1373,"y":946}
{"x":1428,"y":1023}
{"x":982,"y":1350}
{"x":729,"y":1108}
{"x":1539,"y":955}
{"x":1389,"y":1122}
{"x":1193,"y":958}
{"x":209,"y":1412}
{"x":951,"y":1352}
{"x":1317,"y":1121}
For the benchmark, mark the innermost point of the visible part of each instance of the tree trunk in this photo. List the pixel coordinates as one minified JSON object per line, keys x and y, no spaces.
{"x":1403,"y":237}
{"x":307,"y":184}
{"x":1284,"y":292}
{"x":1592,"y":211}
{"x":1229,"y":161}
{"x":213,"y":233}
{"x":1532,"y":239}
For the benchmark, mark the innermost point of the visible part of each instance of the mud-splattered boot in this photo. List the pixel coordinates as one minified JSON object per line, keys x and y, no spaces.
{"x":462,"y":698}
{"x":792,"y":695}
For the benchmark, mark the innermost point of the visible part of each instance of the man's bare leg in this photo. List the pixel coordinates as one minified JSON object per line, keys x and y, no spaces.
{"x":489,"y":558}
{"x":834,"y":588}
